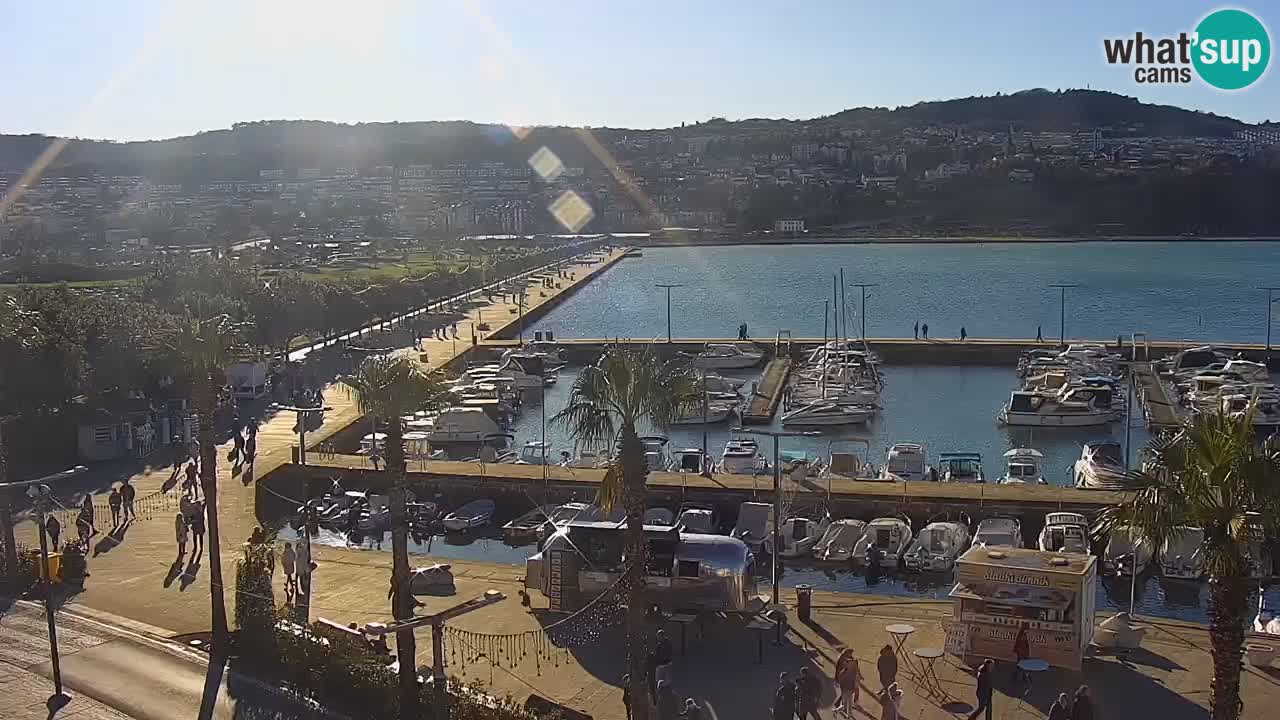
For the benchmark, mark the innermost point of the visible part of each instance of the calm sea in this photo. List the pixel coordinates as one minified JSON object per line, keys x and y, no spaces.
{"x":1196,"y":291}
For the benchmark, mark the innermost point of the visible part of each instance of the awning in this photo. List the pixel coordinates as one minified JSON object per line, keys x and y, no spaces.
{"x":1004,"y":594}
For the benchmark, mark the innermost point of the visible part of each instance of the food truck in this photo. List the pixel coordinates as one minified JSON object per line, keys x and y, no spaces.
{"x":999,"y":590}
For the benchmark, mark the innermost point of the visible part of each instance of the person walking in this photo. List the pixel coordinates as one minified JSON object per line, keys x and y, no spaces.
{"x":847,"y":672}
{"x":626,"y":694}
{"x":189,"y":485}
{"x":808,"y":695}
{"x":985,"y":687}
{"x":251,"y":449}
{"x":663,"y":655}
{"x":53,"y":529}
{"x":197,"y":528}
{"x":180,"y":533}
{"x":288,"y":562}
{"x":128,"y":494}
{"x":890,"y":698}
{"x":963,"y":334}
{"x":924,"y":331}
{"x":1061,"y":708}
{"x":237,"y":440}
{"x":784,"y":699}
{"x":1039,"y":333}
{"x":887,"y":666}
{"x":87,"y":512}
{"x":1082,"y":704}
{"x":668,"y":704}
{"x":1021,"y":651}
{"x":114,"y":501}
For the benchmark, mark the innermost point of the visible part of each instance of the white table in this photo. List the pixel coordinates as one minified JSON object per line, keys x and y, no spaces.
{"x":900,"y":633}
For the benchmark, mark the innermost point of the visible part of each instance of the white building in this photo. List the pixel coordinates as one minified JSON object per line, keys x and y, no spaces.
{"x":789,"y":226}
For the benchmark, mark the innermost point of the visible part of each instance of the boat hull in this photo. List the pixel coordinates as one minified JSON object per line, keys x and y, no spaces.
{"x":1055,"y":419}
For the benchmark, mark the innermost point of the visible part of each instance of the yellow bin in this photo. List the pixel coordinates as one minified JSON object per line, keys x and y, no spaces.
{"x":55,"y":566}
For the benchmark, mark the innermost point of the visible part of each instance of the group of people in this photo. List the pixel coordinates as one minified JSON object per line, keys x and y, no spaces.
{"x":662,"y":695}
{"x":1078,"y":706}
{"x":121,"y":502}
{"x":189,"y":523}
{"x":244,"y":444}
{"x":921,"y":332}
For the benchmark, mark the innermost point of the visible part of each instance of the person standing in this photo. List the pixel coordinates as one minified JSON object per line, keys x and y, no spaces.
{"x":189,"y":484}
{"x":1039,"y":333}
{"x":668,"y":704}
{"x":180,"y":533}
{"x":128,"y":493}
{"x":985,"y":687}
{"x":1021,"y":651}
{"x":963,"y":334}
{"x":251,"y":448}
{"x":847,"y":672}
{"x":53,"y":529}
{"x":887,"y":665}
{"x":288,"y":561}
{"x":808,"y":695}
{"x":626,"y":694}
{"x":1061,"y":708}
{"x":916,"y":330}
{"x":1082,"y":704}
{"x":784,"y":699}
{"x":924,"y":331}
{"x":197,"y":528}
{"x":663,"y":655}
{"x":113,"y":501}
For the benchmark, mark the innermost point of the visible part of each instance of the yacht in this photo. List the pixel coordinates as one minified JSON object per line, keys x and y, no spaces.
{"x":908,"y":462}
{"x":1265,"y":409}
{"x":741,"y":456}
{"x":999,"y":532}
{"x":937,"y":546}
{"x":755,"y":526}
{"x":463,"y":425}
{"x":799,"y":535}
{"x":1038,"y":409}
{"x":656,"y":456}
{"x":1101,"y":466}
{"x":1065,"y":532}
{"x":714,"y":412}
{"x":1124,"y":554}
{"x":1182,"y":556}
{"x":890,"y":535}
{"x":723,"y":356}
{"x":526,"y":373}
{"x":693,"y":460}
{"x":1022,"y":466}
{"x":721,"y":385}
{"x":960,"y":467}
{"x":823,"y":413}
{"x":546,"y":351}
{"x":536,"y":452}
{"x":837,"y":543}
{"x":848,"y":464}
{"x":585,"y":459}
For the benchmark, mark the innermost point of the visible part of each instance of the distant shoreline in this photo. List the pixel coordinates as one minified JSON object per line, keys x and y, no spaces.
{"x":941,"y":240}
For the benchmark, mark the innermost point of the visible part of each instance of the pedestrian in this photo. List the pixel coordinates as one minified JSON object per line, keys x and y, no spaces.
{"x":253,"y":430}
{"x":1021,"y":651}
{"x":626,"y":694}
{"x":180,"y":533}
{"x":924,"y":331}
{"x":288,"y":560}
{"x":375,"y":457}
{"x":197,"y":528}
{"x":179,"y":452}
{"x":887,"y":665}
{"x":1082,"y":704}
{"x":808,"y":695}
{"x":302,"y":568}
{"x":251,"y":449}
{"x":890,"y":697}
{"x":663,"y":654}
{"x":916,"y":330}
{"x":1039,"y":333}
{"x":1061,"y":708}
{"x":963,"y":334}
{"x":128,"y":493}
{"x":238,"y":441}
{"x":53,"y":529}
{"x":668,"y":704}
{"x":784,"y":699}
{"x":113,"y":501}
{"x":189,"y":486}
{"x":847,"y":672}
{"x":985,"y":687}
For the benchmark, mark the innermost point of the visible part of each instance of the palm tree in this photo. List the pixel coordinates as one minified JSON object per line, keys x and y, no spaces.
{"x":625,"y":388}
{"x":1211,"y":474}
{"x":387,"y":387}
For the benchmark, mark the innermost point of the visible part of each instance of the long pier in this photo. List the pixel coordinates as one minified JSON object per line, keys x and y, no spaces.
{"x":768,"y":393}
{"x":1161,"y":411}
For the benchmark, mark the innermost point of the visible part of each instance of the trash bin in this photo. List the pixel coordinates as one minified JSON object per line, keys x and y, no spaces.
{"x":804,"y":597}
{"x":54,"y":569}
{"x":537,"y":336}
{"x":551,"y":336}
{"x":293,"y":454}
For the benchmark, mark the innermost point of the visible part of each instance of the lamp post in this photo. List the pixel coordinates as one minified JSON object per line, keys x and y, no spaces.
{"x":302,"y":427}
{"x":1270,"y":300}
{"x":862,"y":309}
{"x":777,"y":493}
{"x":668,"y":289}
{"x":1062,"y":311}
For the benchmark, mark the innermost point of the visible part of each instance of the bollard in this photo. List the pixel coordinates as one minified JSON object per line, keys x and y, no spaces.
{"x":804,"y":597}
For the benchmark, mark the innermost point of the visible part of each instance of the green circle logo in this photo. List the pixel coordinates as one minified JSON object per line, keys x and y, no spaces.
{"x":1232,"y":49}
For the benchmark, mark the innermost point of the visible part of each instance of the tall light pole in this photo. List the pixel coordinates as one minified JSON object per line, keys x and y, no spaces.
{"x":862,"y":309}
{"x":1270,"y":300}
{"x":1062,"y":311}
{"x":668,"y":288}
{"x":777,"y":494}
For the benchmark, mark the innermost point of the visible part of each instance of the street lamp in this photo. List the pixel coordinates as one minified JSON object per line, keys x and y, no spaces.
{"x":302,"y":427}
{"x":668,"y":288}
{"x":777,"y":493}
{"x":862,"y":309}
{"x":1062,"y":312}
{"x":1270,"y":300}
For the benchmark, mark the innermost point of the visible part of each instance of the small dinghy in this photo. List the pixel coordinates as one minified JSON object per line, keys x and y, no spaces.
{"x":473,"y":515}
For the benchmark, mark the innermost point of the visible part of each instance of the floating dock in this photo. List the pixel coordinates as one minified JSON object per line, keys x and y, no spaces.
{"x":768,"y":392}
{"x":1161,"y":411}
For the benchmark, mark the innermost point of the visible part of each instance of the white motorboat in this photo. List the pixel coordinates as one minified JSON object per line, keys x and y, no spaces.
{"x":800,"y":534}
{"x":1065,"y":532}
{"x":1182,"y":556}
{"x":999,"y":532}
{"x":525,"y":373}
{"x":656,"y":456}
{"x":1125,"y":554}
{"x":695,"y":518}
{"x":908,"y":462}
{"x":741,"y":456}
{"x":1101,"y":466}
{"x":721,"y":385}
{"x":585,"y":459}
{"x":1263,"y":412}
{"x":692,"y":460}
{"x":547,"y":351}
{"x":937,"y":546}
{"x":536,"y":452}
{"x":839,"y":539}
{"x":824,"y":414}
{"x":463,"y":425}
{"x":849,"y":464}
{"x":891,"y":536}
{"x":755,"y":526}
{"x":1048,"y":410}
{"x":1267,"y":621}
{"x":960,"y":467}
{"x":1022,"y":466}
{"x":723,"y":356}
{"x":659,"y":516}
{"x":475,"y":514}
{"x":716,"y":412}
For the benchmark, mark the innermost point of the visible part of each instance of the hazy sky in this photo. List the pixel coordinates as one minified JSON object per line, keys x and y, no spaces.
{"x":134,"y":69}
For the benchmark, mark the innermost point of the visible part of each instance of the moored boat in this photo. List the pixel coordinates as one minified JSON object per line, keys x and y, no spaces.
{"x":471,"y":516}
{"x":937,"y":546}
{"x":1065,"y":532}
{"x":839,"y":539}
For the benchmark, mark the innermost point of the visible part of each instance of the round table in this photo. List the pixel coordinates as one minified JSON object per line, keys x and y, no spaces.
{"x":900,"y":633}
{"x":928,"y":676}
{"x":1029,"y":667}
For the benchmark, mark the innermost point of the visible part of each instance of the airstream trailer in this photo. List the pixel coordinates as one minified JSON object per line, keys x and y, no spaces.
{"x":687,"y":571}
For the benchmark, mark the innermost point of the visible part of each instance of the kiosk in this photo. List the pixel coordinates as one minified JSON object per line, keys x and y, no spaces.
{"x":1000,"y":590}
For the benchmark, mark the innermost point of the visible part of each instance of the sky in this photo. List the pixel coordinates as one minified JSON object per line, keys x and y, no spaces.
{"x":146,"y":69}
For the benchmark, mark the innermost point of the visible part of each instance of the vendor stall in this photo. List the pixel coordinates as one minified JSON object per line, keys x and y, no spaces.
{"x":1000,"y":590}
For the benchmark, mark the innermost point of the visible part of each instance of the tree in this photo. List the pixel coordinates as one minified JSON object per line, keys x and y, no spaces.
{"x":1213,"y":475}
{"x":607,"y":404}
{"x":387,"y":387}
